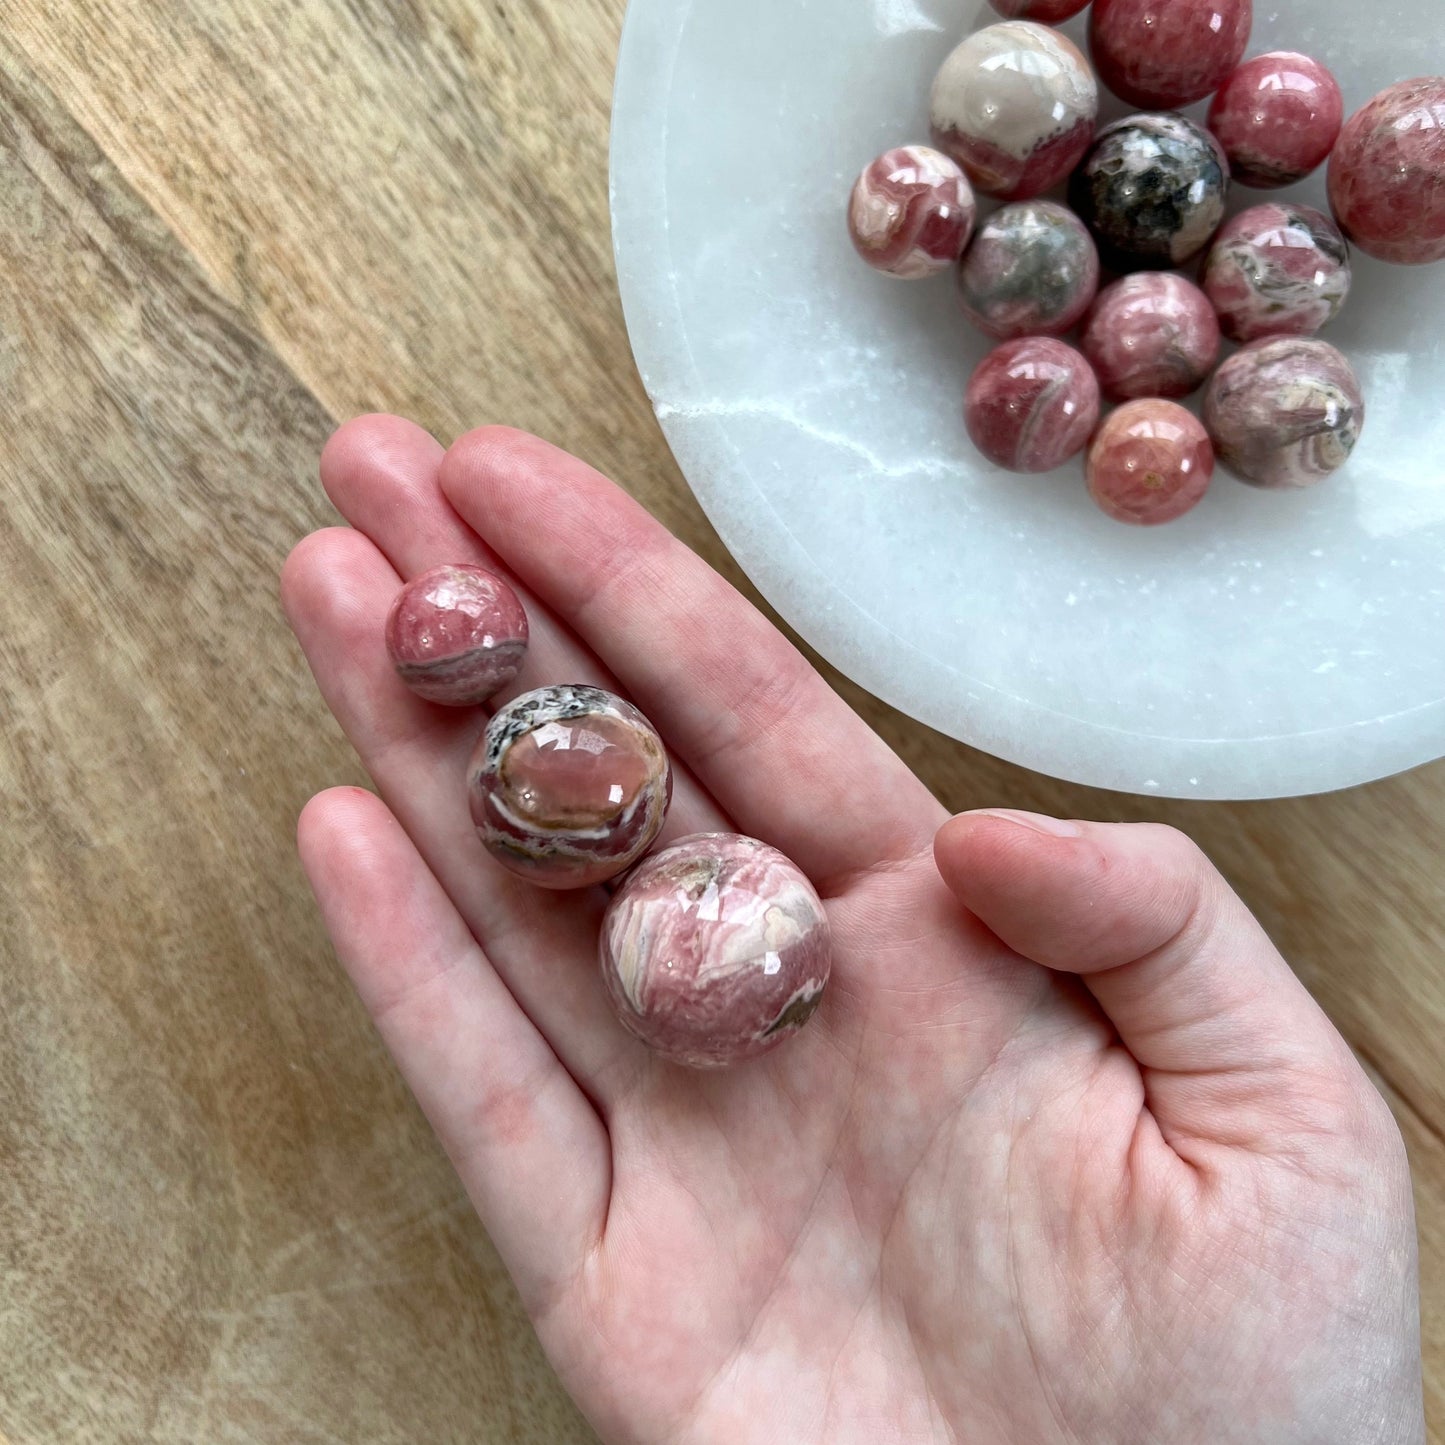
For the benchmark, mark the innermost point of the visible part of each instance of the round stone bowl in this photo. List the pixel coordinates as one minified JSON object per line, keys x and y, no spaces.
{"x":1269,"y":644}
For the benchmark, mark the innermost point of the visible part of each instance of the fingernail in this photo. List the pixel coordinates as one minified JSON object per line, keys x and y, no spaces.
{"x":1039,"y":822}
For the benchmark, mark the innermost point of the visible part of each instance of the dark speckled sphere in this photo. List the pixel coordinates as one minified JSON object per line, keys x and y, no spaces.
{"x":1152,"y":190}
{"x":1032,"y":270}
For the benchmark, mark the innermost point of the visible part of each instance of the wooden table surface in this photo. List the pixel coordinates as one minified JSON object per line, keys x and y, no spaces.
{"x":224,"y":226}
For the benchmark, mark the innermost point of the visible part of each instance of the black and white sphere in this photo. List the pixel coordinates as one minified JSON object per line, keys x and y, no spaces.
{"x":1152,"y":189}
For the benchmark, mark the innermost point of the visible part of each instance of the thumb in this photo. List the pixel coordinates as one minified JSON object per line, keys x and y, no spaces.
{"x":1232,"y":1047}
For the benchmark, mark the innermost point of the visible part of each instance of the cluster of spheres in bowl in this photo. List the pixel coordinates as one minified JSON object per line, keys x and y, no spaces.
{"x":713,"y":950}
{"x":1013,"y":113}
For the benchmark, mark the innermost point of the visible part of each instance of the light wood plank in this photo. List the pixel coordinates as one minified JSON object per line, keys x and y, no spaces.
{"x":221,"y":1217}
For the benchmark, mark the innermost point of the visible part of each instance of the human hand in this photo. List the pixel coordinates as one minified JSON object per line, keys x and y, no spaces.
{"x":1067,"y":1154}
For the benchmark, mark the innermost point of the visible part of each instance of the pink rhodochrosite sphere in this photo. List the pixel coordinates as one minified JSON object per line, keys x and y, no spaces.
{"x":1032,"y":404}
{"x":1284,"y":412}
{"x":456,"y":635}
{"x":911,"y":213}
{"x":1150,"y":462}
{"x":1163,"y":54}
{"x":1277,"y":117}
{"x":715,"y":950}
{"x":1387,"y":174}
{"x":1277,"y":270}
{"x":1046,"y":12}
{"x":1153,"y":334}
{"x":569,"y":786}
{"x":1015,"y":106}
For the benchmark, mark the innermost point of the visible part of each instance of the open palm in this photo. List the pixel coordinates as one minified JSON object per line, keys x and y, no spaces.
{"x":1066,"y":1155}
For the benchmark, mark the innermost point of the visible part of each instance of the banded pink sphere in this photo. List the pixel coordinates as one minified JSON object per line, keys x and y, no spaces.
{"x":1277,"y":117}
{"x":569,"y":786}
{"x":1032,"y":404}
{"x":715,"y":950}
{"x":1286,"y":411}
{"x":911,"y":213}
{"x":1150,"y":462}
{"x":1277,"y":270}
{"x":1153,"y":334}
{"x":457,"y":634}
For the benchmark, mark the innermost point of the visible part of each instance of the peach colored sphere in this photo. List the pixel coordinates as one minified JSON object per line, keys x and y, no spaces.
{"x":1150,"y":462}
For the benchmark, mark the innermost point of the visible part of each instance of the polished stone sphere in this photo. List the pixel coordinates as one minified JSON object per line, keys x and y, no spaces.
{"x":1285,"y":411}
{"x":1387,"y":174}
{"x":715,"y":950}
{"x":1031,"y":404}
{"x":457,"y":634}
{"x":569,"y":786}
{"x":1153,"y":334}
{"x":1150,"y":462}
{"x":1152,"y":190}
{"x":911,"y":213}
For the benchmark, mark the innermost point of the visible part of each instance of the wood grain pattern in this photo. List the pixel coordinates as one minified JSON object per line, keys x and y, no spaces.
{"x":223,"y":225}
{"x":221,"y":1218}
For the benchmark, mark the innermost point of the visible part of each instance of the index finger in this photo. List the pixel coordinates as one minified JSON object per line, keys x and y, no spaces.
{"x":781,"y":752}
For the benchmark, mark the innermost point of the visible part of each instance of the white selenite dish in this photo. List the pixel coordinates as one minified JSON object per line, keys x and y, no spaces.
{"x":1268,"y":644}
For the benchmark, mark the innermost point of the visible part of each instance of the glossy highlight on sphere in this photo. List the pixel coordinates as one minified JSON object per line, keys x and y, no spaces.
{"x":1152,"y":190}
{"x":1277,"y":270}
{"x":1015,"y":106}
{"x":1152,"y":334}
{"x":569,"y":786}
{"x":1150,"y":462}
{"x":1046,"y":12}
{"x":1163,"y":54}
{"x":1277,"y":117}
{"x":715,"y":950}
{"x":1284,"y":412}
{"x":1032,"y":270}
{"x":1387,"y":174}
{"x":1032,"y":404}
{"x":457,"y":634}
{"x":911,"y":213}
